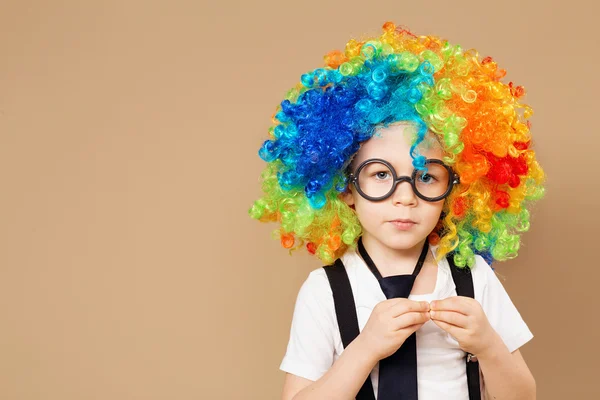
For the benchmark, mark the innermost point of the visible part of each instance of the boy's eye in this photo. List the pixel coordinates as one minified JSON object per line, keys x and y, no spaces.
{"x":427,"y":178}
{"x":382,"y":174}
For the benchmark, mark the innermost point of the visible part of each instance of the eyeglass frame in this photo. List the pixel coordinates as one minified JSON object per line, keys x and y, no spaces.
{"x":453,"y":179}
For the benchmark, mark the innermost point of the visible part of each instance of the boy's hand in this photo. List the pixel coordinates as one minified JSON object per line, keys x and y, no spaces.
{"x":464,"y":319}
{"x":390,"y":323}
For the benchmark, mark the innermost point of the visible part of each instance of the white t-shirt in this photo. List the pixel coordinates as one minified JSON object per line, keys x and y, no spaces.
{"x":315,"y":342}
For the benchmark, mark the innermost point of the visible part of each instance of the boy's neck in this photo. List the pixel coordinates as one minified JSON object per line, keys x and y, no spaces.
{"x":390,"y":261}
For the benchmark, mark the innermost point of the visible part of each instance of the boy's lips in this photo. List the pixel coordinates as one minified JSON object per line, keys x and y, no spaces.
{"x":404,"y":220}
{"x":403,"y":224}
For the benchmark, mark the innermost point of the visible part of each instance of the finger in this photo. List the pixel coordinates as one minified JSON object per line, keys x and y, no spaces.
{"x":454,"y":331}
{"x":410,"y":318}
{"x":409,"y":330}
{"x":458,"y":304}
{"x":450,"y":317}
{"x":407,"y":306}
{"x":388,"y":304}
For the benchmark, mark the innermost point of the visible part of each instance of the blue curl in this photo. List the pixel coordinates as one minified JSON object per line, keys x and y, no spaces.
{"x":324,"y":127}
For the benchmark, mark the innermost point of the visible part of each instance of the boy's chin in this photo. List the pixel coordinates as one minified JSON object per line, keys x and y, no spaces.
{"x":407,"y":242}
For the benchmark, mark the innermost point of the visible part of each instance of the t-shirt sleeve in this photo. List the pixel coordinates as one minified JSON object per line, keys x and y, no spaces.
{"x":501,"y":312}
{"x":310,"y":350}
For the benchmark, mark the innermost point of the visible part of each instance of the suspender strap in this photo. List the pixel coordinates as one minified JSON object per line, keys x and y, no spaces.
{"x":345,"y":310}
{"x":463,"y":279}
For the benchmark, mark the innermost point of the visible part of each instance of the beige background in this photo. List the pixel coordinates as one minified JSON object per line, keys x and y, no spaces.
{"x":129,"y":130}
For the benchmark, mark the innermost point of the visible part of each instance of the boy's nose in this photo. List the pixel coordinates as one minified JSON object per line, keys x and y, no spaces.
{"x":404,"y":194}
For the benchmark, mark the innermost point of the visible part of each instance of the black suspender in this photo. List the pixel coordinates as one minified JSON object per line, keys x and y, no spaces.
{"x":463,"y":279}
{"x":345,"y":310}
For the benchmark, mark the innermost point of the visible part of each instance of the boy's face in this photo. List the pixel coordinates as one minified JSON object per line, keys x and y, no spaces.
{"x":392,"y":144}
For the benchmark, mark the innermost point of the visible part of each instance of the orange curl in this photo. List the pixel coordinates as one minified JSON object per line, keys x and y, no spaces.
{"x":335,"y":58}
{"x":287,"y":240}
{"x":334,"y":242}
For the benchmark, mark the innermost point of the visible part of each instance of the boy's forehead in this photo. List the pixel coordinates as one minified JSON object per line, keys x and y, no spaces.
{"x":393,"y":143}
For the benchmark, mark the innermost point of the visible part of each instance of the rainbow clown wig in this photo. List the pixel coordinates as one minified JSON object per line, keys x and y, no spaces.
{"x":479,"y":121}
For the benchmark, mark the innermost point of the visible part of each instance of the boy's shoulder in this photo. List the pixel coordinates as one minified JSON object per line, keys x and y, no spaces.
{"x":481,"y":270}
{"x":318,"y":281}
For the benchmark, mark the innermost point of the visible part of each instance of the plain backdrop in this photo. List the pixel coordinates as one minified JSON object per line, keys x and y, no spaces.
{"x":129,"y":131}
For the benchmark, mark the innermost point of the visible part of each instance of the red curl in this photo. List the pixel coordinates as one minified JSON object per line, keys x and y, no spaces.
{"x":506,"y":169}
{"x":518,"y":91}
{"x":522,"y":145}
{"x":459,"y":207}
{"x":502,"y":199}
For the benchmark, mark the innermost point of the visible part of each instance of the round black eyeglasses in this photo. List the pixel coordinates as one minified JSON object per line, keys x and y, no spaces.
{"x":376,"y":179}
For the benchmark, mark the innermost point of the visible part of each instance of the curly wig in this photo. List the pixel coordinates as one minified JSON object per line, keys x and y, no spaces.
{"x":480,"y":122}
